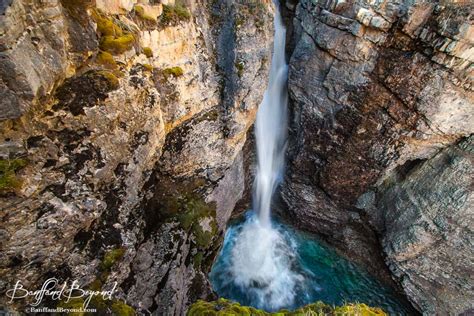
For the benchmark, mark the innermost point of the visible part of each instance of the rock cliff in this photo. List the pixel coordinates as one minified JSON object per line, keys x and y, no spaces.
{"x":381,"y":115}
{"x":122,"y":127}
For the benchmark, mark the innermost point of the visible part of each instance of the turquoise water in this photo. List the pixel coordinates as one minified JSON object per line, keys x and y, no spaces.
{"x":317,"y":273}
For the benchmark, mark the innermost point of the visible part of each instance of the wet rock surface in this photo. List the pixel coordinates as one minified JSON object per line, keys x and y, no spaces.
{"x":375,"y":89}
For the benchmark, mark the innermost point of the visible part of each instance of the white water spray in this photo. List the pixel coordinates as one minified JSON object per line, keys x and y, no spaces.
{"x":270,"y":126}
{"x":261,"y":260}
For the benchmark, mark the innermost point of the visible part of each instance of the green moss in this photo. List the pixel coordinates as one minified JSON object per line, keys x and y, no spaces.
{"x":141,"y":13}
{"x":227,"y":307}
{"x":9,"y":180}
{"x":106,"y":59}
{"x":173,"y":71}
{"x":121,"y":309}
{"x":102,"y":307}
{"x":172,"y":15}
{"x":148,"y":52}
{"x":358,"y":309}
{"x":111,"y":258}
{"x":117,"y":45}
{"x":148,"y":67}
{"x":222,"y":307}
{"x":197,"y":259}
{"x":111,"y":78}
{"x":105,"y":25}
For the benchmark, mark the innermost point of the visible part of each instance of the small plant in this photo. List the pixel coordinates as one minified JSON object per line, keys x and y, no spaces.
{"x":9,"y":181}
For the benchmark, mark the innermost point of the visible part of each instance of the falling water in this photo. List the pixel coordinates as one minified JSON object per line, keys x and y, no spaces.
{"x":262,"y":263}
{"x":270,"y":127}
{"x":261,"y":259}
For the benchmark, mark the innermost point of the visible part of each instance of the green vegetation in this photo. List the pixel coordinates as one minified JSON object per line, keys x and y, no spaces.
{"x":148,"y":52}
{"x":105,"y":26}
{"x":9,"y":181}
{"x":111,"y":258}
{"x":117,"y":45}
{"x":113,"y":38}
{"x":226,"y":307}
{"x":141,"y":13}
{"x":173,"y":15}
{"x":122,"y":309}
{"x":106,"y":59}
{"x":148,"y":67}
{"x":254,"y":10}
{"x":111,"y":79}
{"x":173,"y":71}
{"x":191,"y":211}
{"x":102,"y":307}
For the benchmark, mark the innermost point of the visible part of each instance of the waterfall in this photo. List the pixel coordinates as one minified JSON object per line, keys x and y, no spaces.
{"x":261,"y":259}
{"x":270,"y":126}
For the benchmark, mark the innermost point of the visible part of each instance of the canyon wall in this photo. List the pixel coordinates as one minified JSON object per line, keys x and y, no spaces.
{"x":380,"y":147}
{"x":122,"y":127}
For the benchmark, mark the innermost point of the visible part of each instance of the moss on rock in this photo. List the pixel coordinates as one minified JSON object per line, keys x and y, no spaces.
{"x":173,"y":71}
{"x":117,"y":45}
{"x":226,"y":307}
{"x":106,"y":59}
{"x":101,"y":305}
{"x":148,"y":67}
{"x":148,"y":52}
{"x":9,"y":180}
{"x":141,"y":13}
{"x":174,"y":14}
{"x":115,"y":37}
{"x":111,"y":257}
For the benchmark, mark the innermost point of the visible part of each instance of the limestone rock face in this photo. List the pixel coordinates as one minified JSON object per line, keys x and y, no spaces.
{"x":376,"y":88}
{"x":428,"y":214}
{"x":131,"y":116}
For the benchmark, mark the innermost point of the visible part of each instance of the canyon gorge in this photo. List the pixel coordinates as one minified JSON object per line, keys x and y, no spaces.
{"x":127,"y":144}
